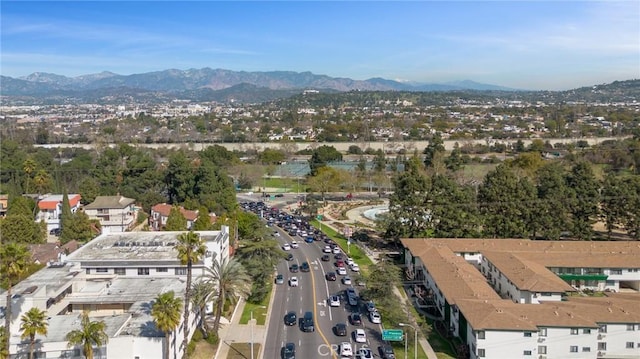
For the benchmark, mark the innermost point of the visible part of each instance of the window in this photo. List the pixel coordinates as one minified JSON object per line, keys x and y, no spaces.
{"x":162,"y":270}
{"x":526,"y":352}
{"x":542,"y":332}
{"x":602,"y":328}
{"x":629,"y":345}
{"x":88,"y":271}
{"x":481,"y":334}
{"x":602,"y":346}
{"x":120,"y":271}
{"x":102,"y":270}
{"x":574,"y":331}
{"x":527,"y":334}
{"x":542,"y":349}
{"x":586,"y":349}
{"x":631,"y":327}
{"x":573,"y":349}
{"x":616,"y":271}
{"x":481,"y":353}
{"x":586,"y":331}
{"x":143,"y":271}
{"x":181,"y":271}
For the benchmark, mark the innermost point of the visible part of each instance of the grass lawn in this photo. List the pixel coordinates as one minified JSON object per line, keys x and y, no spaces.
{"x":243,"y":350}
{"x":284,"y":184}
{"x":354,"y":251}
{"x":203,"y":350}
{"x":259,"y":314}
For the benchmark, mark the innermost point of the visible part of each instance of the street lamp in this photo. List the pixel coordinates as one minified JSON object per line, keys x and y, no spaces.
{"x":252,"y":324}
{"x":415,"y":341}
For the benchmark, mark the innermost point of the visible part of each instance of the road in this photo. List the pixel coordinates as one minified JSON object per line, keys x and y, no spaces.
{"x":312,"y":295}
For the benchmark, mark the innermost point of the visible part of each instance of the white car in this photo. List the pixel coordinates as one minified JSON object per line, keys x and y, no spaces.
{"x":342,"y":271}
{"x":360,"y":336}
{"x":286,"y":247}
{"x":375,"y":317}
{"x":334,"y":301}
{"x":346,"y":350}
{"x":349,"y":261}
{"x":294,"y":244}
{"x":355,"y":267}
{"x":293,"y":281}
{"x":276,"y":234}
{"x":326,"y":249}
{"x":336,"y":250}
{"x":365,"y":353}
{"x":346,"y":280}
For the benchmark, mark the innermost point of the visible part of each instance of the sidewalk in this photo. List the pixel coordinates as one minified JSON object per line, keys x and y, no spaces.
{"x":234,"y":332}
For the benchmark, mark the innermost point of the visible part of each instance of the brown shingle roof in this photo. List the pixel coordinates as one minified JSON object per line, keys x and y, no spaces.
{"x":117,"y":202}
{"x":165,"y":209}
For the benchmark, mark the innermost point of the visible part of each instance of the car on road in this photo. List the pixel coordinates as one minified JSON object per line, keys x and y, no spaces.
{"x":355,"y":319}
{"x":336,"y":250}
{"x":339,"y":263}
{"x":279,"y":195}
{"x":276,"y":234}
{"x":364,"y":353}
{"x":290,"y":318}
{"x":355,"y":267}
{"x":286,"y":247}
{"x":386,"y":352}
{"x":294,"y":244}
{"x":325,"y":258}
{"x":340,"y":330}
{"x":309,"y":239}
{"x":351,"y":292}
{"x":293,"y":281}
{"x":331,"y":276}
{"x":350,"y":261}
{"x":307,"y":324}
{"x":345,"y":349}
{"x":359,"y":336}
{"x":279,"y":279}
{"x":339,"y":256}
{"x":326,"y":249}
{"x":371,"y":307}
{"x":342,"y":271}
{"x":305,"y":267}
{"x":56,"y":231}
{"x":353,"y":301}
{"x":289,"y":256}
{"x":294,"y":268}
{"x":346,"y":280}
{"x":334,"y":301}
{"x":375,"y":318}
{"x":289,"y":351}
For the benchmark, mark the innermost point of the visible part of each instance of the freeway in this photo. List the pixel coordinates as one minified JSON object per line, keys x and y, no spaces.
{"x":312,"y":295}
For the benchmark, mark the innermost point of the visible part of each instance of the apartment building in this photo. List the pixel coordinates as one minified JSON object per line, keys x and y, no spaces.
{"x":115,"y":213}
{"x":509,"y":298}
{"x":114,"y":277}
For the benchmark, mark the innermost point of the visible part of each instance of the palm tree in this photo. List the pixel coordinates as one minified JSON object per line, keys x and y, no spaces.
{"x":191,"y":249}
{"x":230,"y":280}
{"x":4,"y":353}
{"x":29,"y":165}
{"x":267,"y":250}
{"x":33,"y":322}
{"x":166,"y":314}
{"x":14,"y":260}
{"x":201,"y":294}
{"x":90,"y":334}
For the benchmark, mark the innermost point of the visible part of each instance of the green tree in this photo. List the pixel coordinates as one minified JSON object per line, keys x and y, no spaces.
{"x":321,"y":156}
{"x":191,"y":248}
{"x":435,"y":148}
{"x":454,"y":162}
{"x":202,"y":293}
{"x":4,"y":352}
{"x":91,"y":334}
{"x":166,"y":310}
{"x":203,"y":222}
{"x":381,"y":281}
{"x":455,"y":211}
{"x":379,"y":162}
{"x":325,"y":180}
{"x":550,"y":212}
{"x":176,"y":220}
{"x":89,"y":190}
{"x":256,"y":255}
{"x":620,"y":207}
{"x":33,"y":322}
{"x":179,"y":178}
{"x":42,"y":182}
{"x":29,"y":166}
{"x":231,"y":281}
{"x":584,"y":202}
{"x":271,"y":156}
{"x":65,"y":213}
{"x":78,"y":227}
{"x":21,"y":228}
{"x":14,"y":261}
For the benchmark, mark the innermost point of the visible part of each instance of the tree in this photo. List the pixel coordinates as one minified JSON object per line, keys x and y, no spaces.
{"x":231,"y":281}
{"x":381,"y":281}
{"x":454,"y":162}
{"x":78,"y":227}
{"x":29,"y":166}
{"x":455,"y":211}
{"x":256,"y":255}
{"x":42,"y":182}
{"x":203,"y":222}
{"x":33,"y":322}
{"x":191,"y":248}
{"x":435,"y":147}
{"x":165,"y":311}
{"x":65,"y":213}
{"x":321,"y":156}
{"x":621,"y":203}
{"x":4,"y":352}
{"x":583,"y":204}
{"x":176,"y":220}
{"x":325,"y":180}
{"x":14,"y":260}
{"x":90,"y":334}
{"x":550,"y":211}
{"x":271,"y":156}
{"x":202,"y":293}
{"x":21,"y":228}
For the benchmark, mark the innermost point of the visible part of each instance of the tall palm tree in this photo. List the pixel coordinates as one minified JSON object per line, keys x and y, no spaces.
{"x":90,"y":334}
{"x":166,"y":314}
{"x":231,"y":281}
{"x":191,"y":248}
{"x":202,"y":293}
{"x":33,"y":322}
{"x":14,"y":260}
{"x":267,"y":250}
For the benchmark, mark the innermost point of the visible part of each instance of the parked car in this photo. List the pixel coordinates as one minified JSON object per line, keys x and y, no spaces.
{"x":359,"y":336}
{"x":293,"y":281}
{"x":386,"y":352}
{"x":289,"y":351}
{"x":355,"y":319}
{"x":56,"y":232}
{"x":340,"y":329}
{"x":290,"y":318}
{"x":279,"y":279}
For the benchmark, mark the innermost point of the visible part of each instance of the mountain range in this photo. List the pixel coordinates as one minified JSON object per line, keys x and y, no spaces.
{"x":199,"y":82}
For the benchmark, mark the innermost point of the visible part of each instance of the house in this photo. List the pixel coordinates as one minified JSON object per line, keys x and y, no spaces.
{"x":46,"y":253}
{"x":115,"y":213}
{"x":116,"y":278}
{"x":160,"y":213}
{"x":50,"y":207}
{"x":514,"y":298}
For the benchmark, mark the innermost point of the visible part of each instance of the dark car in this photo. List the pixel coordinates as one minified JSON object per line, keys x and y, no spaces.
{"x":289,"y":351}
{"x":279,"y":195}
{"x":386,"y":352}
{"x":305,"y":267}
{"x":55,"y":231}
{"x":309,"y":239}
{"x":339,"y":256}
{"x":331,"y":276}
{"x":355,"y":319}
{"x":307,"y":324}
{"x":294,"y":268}
{"x":325,"y":258}
{"x":290,"y":318}
{"x":340,"y":330}
{"x":289,"y":256}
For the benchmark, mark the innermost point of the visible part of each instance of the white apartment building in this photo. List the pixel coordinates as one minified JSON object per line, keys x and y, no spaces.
{"x":115,"y":213}
{"x":502,"y":297}
{"x":114,"y":277}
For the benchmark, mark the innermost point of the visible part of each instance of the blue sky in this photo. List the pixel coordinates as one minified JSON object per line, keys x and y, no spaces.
{"x":522,"y":44}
